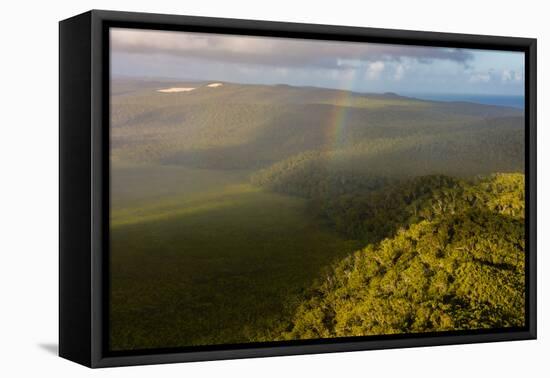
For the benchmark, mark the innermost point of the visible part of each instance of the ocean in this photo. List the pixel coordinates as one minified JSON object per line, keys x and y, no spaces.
{"x":500,"y":100}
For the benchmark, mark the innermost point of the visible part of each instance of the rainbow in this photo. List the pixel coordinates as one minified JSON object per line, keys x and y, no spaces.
{"x":337,"y":121}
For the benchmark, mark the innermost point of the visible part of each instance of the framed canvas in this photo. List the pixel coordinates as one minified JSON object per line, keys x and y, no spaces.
{"x":234,"y":188}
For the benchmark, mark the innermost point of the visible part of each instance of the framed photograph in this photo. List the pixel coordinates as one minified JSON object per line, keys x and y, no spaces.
{"x":234,"y":188}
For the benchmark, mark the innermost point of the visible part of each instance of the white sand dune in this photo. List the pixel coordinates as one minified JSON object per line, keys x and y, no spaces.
{"x":175,"y":89}
{"x":214,"y":85}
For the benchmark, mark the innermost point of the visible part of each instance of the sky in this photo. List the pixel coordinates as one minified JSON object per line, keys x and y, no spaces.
{"x":357,"y":66}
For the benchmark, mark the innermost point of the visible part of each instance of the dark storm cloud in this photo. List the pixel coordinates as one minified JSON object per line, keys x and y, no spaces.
{"x":273,"y":51}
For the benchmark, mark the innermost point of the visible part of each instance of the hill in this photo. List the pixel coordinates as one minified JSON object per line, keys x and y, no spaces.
{"x":458,"y":265}
{"x":237,"y":126}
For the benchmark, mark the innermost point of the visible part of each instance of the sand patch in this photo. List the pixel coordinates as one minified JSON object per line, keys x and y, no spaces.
{"x":214,"y":85}
{"x":175,"y":90}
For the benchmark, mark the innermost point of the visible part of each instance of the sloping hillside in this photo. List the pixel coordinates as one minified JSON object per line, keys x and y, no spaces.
{"x":236,"y":126}
{"x":459,"y":265}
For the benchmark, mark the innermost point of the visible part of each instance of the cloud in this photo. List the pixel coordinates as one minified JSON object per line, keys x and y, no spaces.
{"x":505,"y":76}
{"x":375,"y":69}
{"x":399,"y":72}
{"x":274,"y":51}
{"x":511,"y":76}
{"x":480,"y":77}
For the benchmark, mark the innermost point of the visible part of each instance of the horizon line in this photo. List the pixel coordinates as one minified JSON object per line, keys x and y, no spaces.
{"x":406,"y":93}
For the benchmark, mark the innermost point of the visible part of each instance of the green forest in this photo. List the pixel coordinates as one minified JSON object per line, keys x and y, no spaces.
{"x":448,"y":256}
{"x":250,"y":213}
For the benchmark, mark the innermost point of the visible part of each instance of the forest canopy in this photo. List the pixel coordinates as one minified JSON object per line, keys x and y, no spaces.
{"x":458,"y":264}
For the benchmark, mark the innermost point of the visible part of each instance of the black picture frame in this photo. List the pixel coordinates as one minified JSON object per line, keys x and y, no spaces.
{"x":84,"y":185}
